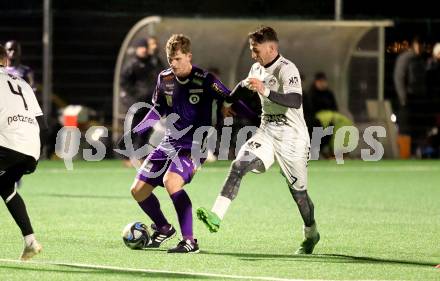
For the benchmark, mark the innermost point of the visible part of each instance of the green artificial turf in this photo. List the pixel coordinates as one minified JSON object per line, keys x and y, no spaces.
{"x":378,"y":221}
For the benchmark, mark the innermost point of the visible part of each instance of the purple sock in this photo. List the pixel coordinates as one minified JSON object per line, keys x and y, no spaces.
{"x":183,"y":207}
{"x":151,"y":207}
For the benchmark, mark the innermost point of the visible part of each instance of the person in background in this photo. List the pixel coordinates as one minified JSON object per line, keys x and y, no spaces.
{"x":322,"y":98}
{"x":138,"y":80}
{"x":410,"y":85}
{"x":153,"y":52}
{"x":14,"y":65}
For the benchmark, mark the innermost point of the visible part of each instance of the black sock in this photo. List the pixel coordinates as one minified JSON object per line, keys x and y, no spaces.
{"x":17,"y":208}
{"x":305,"y":206}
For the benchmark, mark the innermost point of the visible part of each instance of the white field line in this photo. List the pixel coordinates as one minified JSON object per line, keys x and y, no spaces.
{"x":164,"y":272}
{"x":337,"y":169}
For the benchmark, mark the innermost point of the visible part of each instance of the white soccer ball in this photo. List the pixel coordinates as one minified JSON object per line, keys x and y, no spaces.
{"x":135,"y":235}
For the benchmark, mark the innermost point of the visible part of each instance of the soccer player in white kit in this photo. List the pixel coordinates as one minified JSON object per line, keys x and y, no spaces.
{"x":22,"y":129}
{"x":282,"y":135}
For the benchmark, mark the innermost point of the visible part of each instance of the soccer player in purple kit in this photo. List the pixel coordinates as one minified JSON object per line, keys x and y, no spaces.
{"x":189,"y":92}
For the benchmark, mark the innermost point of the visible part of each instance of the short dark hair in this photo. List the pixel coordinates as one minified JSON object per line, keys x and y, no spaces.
{"x":178,"y":42}
{"x":320,"y":75}
{"x":263,"y":34}
{"x":3,"y":54}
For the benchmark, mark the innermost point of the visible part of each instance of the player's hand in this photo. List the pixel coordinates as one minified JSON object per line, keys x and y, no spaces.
{"x":256,"y":86}
{"x":227,"y":111}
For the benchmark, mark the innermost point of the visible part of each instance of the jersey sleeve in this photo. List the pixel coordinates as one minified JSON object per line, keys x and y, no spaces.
{"x":158,"y":99}
{"x":290,"y":79}
{"x":217,"y":88}
{"x":32,"y":101}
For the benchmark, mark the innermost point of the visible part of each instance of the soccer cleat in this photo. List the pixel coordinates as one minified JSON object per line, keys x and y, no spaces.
{"x":31,"y":250}
{"x":209,"y":218}
{"x":159,"y":237}
{"x":307,"y":245}
{"x":185,"y":247}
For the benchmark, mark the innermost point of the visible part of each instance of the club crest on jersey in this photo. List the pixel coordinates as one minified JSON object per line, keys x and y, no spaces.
{"x":272,"y":82}
{"x":194,"y":99}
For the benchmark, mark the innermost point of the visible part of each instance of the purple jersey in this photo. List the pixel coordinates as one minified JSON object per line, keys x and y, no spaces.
{"x":192,"y":100}
{"x":21,"y":71}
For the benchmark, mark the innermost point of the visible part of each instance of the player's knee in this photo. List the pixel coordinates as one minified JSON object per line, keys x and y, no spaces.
{"x":7,"y":193}
{"x":135,"y":192}
{"x":172,"y":184}
{"x":237,"y":166}
{"x":138,"y":192}
{"x":301,"y":196}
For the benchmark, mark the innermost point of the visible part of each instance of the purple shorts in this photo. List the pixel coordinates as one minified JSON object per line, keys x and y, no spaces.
{"x":158,"y":163}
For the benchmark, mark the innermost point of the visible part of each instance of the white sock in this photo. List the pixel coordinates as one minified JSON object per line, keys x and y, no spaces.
{"x":29,"y":239}
{"x":311,"y":231}
{"x":221,"y":205}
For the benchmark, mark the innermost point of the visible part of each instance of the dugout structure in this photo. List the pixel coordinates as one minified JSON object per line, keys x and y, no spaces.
{"x":351,"y":53}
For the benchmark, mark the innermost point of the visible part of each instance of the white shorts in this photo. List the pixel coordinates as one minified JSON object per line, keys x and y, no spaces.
{"x":271,"y":142}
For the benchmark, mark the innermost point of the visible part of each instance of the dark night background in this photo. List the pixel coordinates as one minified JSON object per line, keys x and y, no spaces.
{"x":87,"y":35}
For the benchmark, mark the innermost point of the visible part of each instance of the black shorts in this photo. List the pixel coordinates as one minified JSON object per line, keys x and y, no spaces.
{"x":13,"y":164}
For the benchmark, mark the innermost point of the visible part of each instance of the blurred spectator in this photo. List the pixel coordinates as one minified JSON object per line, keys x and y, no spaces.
{"x":318,"y":97}
{"x":153,"y":52}
{"x":14,"y":66}
{"x":138,"y":77}
{"x":321,"y":109}
{"x":322,"y":98}
{"x":410,"y":85}
{"x":430,"y":147}
{"x":433,"y":73}
{"x":138,"y":80}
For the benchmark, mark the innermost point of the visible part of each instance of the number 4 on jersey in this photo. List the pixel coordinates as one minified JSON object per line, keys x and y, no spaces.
{"x":19,"y":93}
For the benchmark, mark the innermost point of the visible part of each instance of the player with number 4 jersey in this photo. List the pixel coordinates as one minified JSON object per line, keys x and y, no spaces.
{"x":22,"y":129}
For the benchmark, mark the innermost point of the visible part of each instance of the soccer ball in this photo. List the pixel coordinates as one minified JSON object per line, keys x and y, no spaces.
{"x":135,"y":235}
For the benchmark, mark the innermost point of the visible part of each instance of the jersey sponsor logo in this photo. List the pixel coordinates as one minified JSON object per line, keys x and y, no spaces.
{"x":21,"y":118}
{"x":169,"y":86}
{"x":194,"y":99}
{"x":294,"y":81}
{"x":278,"y":119}
{"x":197,"y":81}
{"x":193,"y":91}
{"x":169,"y":100}
{"x":201,"y":75}
{"x":217,"y":88}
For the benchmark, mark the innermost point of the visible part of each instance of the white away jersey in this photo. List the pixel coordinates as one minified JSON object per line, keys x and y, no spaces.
{"x":281,"y":76}
{"x":19,"y":129}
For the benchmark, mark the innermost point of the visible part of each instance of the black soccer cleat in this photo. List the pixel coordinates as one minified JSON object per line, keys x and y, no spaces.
{"x":159,"y":236}
{"x":185,"y":247}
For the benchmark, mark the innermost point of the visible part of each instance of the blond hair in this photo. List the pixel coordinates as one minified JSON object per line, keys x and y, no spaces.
{"x":178,"y":42}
